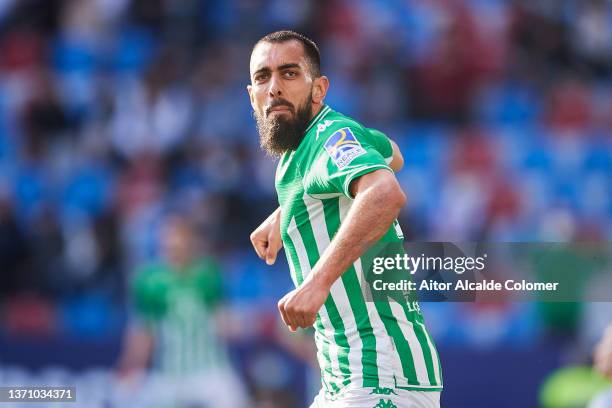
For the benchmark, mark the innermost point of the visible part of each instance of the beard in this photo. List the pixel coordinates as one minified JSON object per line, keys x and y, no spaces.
{"x":278,"y":134}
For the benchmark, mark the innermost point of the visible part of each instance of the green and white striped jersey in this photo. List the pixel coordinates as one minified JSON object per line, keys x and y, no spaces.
{"x":178,"y":308}
{"x":359,"y":342}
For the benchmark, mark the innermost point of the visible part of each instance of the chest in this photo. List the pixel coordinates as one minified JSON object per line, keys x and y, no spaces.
{"x":300,"y":177}
{"x":289,"y":182}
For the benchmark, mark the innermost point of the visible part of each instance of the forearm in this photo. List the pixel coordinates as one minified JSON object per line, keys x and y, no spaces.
{"x":266,"y":238}
{"x":367,"y":221}
{"x":137,"y":351}
{"x":273,"y":216}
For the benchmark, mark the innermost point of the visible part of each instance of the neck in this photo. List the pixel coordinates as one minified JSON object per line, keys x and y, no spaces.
{"x":180,"y":263}
{"x":315,"y":110}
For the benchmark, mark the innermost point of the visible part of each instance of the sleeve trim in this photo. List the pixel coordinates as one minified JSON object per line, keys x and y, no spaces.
{"x":360,"y":172}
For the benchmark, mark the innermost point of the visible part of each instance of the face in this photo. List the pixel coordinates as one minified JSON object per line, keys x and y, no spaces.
{"x":177,"y":241}
{"x":284,"y":95}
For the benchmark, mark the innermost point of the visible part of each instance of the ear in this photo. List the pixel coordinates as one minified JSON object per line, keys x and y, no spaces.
{"x":319,"y":89}
{"x":251,"y":97}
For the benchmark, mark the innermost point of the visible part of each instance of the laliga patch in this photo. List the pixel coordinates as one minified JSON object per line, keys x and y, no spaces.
{"x":342,"y":146}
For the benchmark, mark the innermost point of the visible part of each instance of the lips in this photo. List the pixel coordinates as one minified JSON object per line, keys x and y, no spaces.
{"x":279,"y":108}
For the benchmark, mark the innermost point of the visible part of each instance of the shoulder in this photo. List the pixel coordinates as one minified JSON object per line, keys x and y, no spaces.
{"x":151,"y":276}
{"x":337,"y":131}
{"x":152,"y":269}
{"x":333,"y":122}
{"x":206,"y":266}
{"x":337,"y":136}
{"x":150,"y":289}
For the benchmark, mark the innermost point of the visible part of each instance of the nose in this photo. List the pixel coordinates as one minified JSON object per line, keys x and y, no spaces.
{"x":275,"y":87}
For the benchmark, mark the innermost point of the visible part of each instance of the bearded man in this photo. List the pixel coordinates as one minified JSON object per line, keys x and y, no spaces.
{"x":338,"y":197}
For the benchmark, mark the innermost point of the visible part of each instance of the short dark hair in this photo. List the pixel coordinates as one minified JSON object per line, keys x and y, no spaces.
{"x":310,"y":47}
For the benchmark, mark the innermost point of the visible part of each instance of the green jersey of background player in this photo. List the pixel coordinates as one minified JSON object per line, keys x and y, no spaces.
{"x":177,"y":300}
{"x":338,"y":197}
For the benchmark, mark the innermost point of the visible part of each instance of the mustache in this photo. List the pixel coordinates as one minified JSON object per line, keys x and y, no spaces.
{"x":279,"y":102}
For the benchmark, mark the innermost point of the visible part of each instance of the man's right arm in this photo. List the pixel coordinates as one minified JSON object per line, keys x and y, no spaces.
{"x":397,"y":161}
{"x":266,"y":238}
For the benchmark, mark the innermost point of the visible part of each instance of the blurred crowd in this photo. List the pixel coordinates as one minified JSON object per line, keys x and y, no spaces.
{"x":116,"y":113}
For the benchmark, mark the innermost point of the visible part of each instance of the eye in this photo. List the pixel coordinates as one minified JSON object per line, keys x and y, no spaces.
{"x":261,"y":77}
{"x":290,"y":74}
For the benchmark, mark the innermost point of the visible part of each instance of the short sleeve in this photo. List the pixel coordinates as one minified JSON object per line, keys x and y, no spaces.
{"x":149,"y":293}
{"x":346,"y":154}
{"x":209,"y":282}
{"x":382,"y":144}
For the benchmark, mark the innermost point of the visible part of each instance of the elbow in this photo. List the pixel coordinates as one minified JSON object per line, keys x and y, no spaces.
{"x":394,"y":197}
{"x":398,"y":160}
{"x":397,"y":163}
{"x":380,"y":189}
{"x":399,"y":198}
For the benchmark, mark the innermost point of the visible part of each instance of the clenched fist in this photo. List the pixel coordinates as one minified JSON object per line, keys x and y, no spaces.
{"x":266,"y":239}
{"x":299,"y":307}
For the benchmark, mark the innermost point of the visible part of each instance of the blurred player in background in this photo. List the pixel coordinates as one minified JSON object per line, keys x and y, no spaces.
{"x":338,"y":196}
{"x":176,"y":302}
{"x":603,"y":364}
{"x":603,"y":353}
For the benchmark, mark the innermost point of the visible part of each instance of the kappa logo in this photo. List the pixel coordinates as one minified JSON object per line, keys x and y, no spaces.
{"x":385,"y":404}
{"x":342,"y":146}
{"x":383,"y":391}
{"x":321,"y":127}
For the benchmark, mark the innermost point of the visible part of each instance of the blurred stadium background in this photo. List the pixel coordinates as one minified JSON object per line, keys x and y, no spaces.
{"x":117,"y":116}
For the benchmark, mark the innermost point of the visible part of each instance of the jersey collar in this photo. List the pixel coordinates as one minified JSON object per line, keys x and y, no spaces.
{"x":324,"y":110}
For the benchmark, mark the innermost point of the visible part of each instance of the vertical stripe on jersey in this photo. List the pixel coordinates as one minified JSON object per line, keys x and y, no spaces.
{"x":408,"y":332}
{"x":330,"y":369}
{"x":401,"y":346}
{"x":325,"y":363}
{"x":376,"y":337}
{"x":419,"y":331}
{"x":328,"y":366}
{"x":424,"y":341}
{"x":434,"y":355}
{"x":332,"y":372}
{"x":414,"y":351}
{"x":331,"y":321}
{"x":388,"y":355}
{"x":348,"y":306}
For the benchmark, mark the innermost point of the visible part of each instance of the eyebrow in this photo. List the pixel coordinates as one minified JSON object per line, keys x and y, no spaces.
{"x":280,"y":68}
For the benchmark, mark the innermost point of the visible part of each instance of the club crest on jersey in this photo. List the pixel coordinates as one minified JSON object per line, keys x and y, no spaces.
{"x":342,"y":146}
